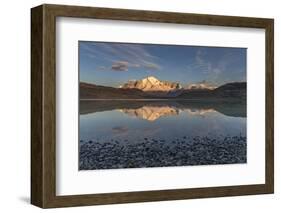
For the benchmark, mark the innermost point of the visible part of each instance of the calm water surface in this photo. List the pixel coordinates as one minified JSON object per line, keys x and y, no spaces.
{"x":159,"y":122}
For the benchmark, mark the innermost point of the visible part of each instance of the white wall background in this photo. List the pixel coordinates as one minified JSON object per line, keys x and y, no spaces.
{"x":15,"y":105}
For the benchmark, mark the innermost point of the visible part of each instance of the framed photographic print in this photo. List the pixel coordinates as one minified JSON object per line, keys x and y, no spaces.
{"x":136,"y":106}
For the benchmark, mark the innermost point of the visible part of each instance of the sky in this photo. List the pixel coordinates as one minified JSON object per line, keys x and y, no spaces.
{"x":113,"y":64}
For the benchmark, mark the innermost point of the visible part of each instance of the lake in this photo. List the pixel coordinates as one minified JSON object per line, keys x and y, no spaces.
{"x":156,"y":133}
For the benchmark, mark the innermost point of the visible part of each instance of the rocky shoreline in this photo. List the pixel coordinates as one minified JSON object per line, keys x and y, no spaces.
{"x":152,"y":152}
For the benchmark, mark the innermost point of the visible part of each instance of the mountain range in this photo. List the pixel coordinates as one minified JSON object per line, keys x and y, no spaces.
{"x":153,"y":88}
{"x":152,"y":84}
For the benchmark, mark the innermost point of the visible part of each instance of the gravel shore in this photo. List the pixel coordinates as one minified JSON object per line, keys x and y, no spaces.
{"x":152,"y":152}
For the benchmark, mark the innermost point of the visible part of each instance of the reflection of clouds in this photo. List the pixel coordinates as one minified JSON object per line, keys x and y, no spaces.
{"x":151,"y":131}
{"x":120,"y":129}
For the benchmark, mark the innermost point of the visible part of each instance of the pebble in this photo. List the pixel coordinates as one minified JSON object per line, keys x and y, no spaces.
{"x":153,"y":152}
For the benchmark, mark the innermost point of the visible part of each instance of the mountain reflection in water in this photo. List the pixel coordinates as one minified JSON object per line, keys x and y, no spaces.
{"x":151,"y":113}
{"x":152,"y":110}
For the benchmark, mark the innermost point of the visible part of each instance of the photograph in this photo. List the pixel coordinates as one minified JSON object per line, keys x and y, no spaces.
{"x":139,"y":105}
{"x":147,"y":105}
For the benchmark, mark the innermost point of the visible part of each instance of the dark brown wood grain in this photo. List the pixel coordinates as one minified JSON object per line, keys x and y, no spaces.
{"x":36,"y":106}
{"x":43,"y":105}
{"x":269,"y":118}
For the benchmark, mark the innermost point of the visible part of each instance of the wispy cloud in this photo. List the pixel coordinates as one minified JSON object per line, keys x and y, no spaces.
{"x":212,"y":70}
{"x":202,"y":63}
{"x":121,"y":57}
{"x":151,"y":66}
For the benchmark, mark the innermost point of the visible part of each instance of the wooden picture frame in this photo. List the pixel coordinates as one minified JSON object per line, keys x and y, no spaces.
{"x":43,"y":105}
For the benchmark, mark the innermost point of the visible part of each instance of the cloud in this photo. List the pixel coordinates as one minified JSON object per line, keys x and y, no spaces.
{"x":120,"y":66}
{"x":151,"y":66}
{"x":125,"y":65}
{"x":225,"y":66}
{"x":202,"y":64}
{"x":136,"y":56}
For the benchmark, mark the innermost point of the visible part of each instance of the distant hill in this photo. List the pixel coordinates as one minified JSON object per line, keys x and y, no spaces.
{"x":237,"y":89}
{"x":91,"y":91}
{"x":229,"y":91}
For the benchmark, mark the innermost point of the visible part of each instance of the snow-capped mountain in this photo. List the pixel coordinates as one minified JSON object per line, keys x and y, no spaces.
{"x":203,"y":85}
{"x":151,"y":84}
